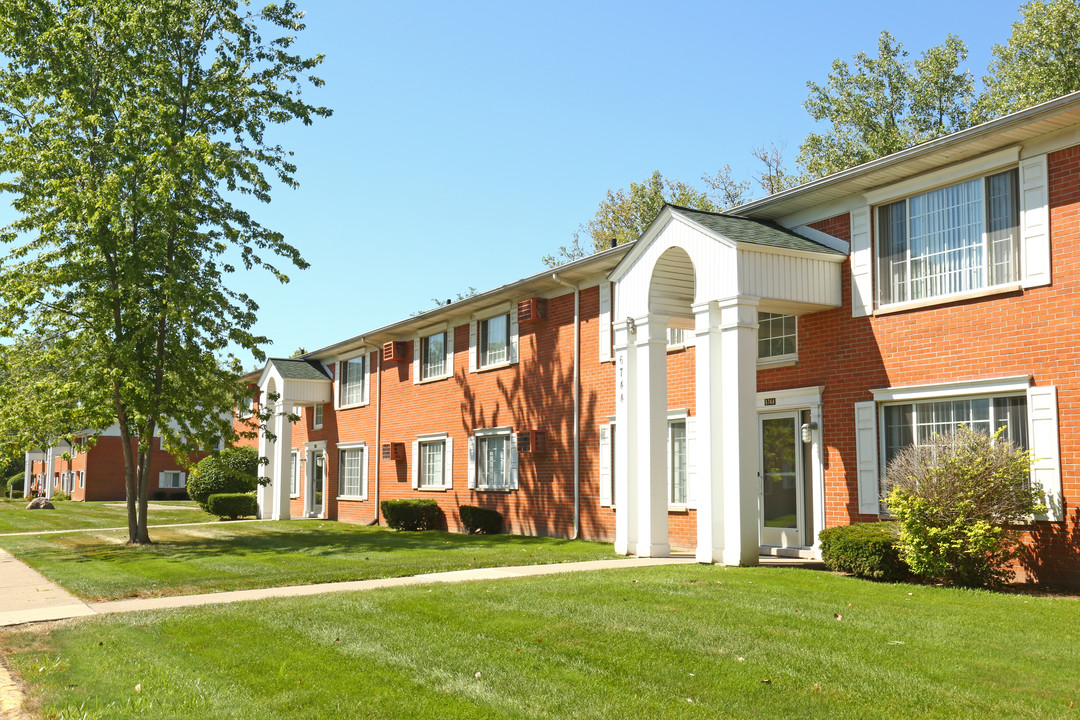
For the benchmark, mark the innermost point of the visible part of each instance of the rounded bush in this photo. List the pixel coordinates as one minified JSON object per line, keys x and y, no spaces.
{"x":478,"y":520}
{"x":233,"y":470}
{"x":864,"y":550}
{"x":411,"y":514}
{"x":230,"y":506}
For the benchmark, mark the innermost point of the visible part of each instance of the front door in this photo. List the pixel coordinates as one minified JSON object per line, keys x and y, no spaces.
{"x":316,"y":484}
{"x":781,"y":480}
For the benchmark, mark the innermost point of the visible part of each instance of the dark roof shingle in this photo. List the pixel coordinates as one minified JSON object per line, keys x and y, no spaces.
{"x":757,"y":232}
{"x":299,"y":369}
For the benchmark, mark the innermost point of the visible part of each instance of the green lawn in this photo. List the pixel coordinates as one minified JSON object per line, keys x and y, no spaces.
{"x":671,"y":642}
{"x":69,"y":515}
{"x":212,"y":558}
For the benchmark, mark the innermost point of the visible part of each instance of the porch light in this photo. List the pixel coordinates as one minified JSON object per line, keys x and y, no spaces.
{"x":808,"y":432}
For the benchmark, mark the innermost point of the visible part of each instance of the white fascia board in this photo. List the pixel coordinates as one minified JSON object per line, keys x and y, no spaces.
{"x":630,"y":259}
{"x":821,"y":212}
{"x":349,"y":445}
{"x":433,"y":329}
{"x":950,"y":175}
{"x":989,"y":386}
{"x":1050,"y":142}
{"x":270,"y":372}
{"x":495,"y":310}
{"x":423,"y":437}
{"x":822,"y":238}
{"x":788,"y":252}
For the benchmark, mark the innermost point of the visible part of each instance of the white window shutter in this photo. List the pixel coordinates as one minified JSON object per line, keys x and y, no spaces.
{"x":513,"y":335}
{"x":472,"y":462}
{"x":337,"y":384}
{"x":161,"y":479}
{"x":183,"y":480}
{"x":862,"y":263}
{"x":449,"y":351}
{"x":472,"y":346}
{"x":370,"y":369}
{"x":417,"y":341}
{"x":691,"y":462}
{"x":1034,"y":221}
{"x":513,"y":462}
{"x":1045,"y":451}
{"x":363,"y":472}
{"x":448,"y":463}
{"x":605,"y":321}
{"x":866,"y":458}
{"x":416,"y":464}
{"x":605,"y":466}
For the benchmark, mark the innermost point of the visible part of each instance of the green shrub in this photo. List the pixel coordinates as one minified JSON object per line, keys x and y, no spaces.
{"x":411,"y":514}
{"x":232,"y":470}
{"x":230,"y":506}
{"x":478,"y":520}
{"x":864,"y":550}
{"x":15,"y":482}
{"x":954,"y":498}
{"x":60,"y":496}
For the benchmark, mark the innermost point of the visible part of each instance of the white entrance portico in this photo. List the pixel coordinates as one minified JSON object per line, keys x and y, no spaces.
{"x":284,"y":386}
{"x":710,"y":274}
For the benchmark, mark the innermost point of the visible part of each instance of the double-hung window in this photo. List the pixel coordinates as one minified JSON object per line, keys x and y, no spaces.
{"x":351,"y":472}
{"x":776,"y":336}
{"x":949,"y":241}
{"x":916,"y":423}
{"x":677,"y":490}
{"x":432,"y":463}
{"x":494,"y":346}
{"x":353,"y":381}
{"x":433,"y":356}
{"x":493,"y":462}
{"x":294,"y":475}
{"x":316,"y":417}
{"x":172,"y":479}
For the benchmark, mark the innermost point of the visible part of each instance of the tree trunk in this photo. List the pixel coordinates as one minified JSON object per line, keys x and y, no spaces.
{"x":130,"y":486}
{"x":142,"y":536}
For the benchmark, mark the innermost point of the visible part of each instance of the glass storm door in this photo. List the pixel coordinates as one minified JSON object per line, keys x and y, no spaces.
{"x":317,"y":484}
{"x":781,"y":480}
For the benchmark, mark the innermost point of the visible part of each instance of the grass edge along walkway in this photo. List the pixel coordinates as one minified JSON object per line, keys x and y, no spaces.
{"x":83,"y":609}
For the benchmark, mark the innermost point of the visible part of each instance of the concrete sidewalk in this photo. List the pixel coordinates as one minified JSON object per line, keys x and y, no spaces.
{"x":28,"y":597}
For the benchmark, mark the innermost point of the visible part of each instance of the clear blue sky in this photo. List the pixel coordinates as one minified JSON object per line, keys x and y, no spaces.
{"x":471,"y":138}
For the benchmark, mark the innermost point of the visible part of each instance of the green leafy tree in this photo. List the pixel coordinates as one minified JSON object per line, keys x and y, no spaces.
{"x":957,"y":500}
{"x":233,"y":470}
{"x":134,"y":138}
{"x":881,"y":105}
{"x":1040,"y":61}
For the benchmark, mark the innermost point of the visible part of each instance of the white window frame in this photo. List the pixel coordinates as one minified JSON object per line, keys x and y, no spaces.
{"x":475,"y":331}
{"x":420,"y":346}
{"x":447,"y":479}
{"x":317,"y":417}
{"x":511,"y":470}
{"x":483,"y":330}
{"x":82,"y":479}
{"x":365,"y":389}
{"x":784,"y":357}
{"x":362,"y":450}
{"x":673,"y":420}
{"x":182,"y":477}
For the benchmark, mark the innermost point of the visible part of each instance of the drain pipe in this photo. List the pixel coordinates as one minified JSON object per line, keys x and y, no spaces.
{"x":577,"y":403}
{"x":378,"y":433}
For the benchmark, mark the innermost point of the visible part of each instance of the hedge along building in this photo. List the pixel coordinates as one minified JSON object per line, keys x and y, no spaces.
{"x":730,"y":383}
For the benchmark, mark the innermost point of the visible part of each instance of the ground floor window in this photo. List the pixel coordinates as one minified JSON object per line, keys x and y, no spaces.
{"x":432,"y":463}
{"x":350,"y":472}
{"x":172,"y":479}
{"x":677,"y":493}
{"x":294,"y":476}
{"x":915,"y":423}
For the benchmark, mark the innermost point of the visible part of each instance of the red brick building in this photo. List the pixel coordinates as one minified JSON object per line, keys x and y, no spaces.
{"x":96,"y":471}
{"x":729,"y":383}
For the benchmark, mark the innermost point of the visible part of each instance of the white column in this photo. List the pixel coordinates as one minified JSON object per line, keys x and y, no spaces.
{"x":279,"y":486}
{"x":50,"y":460}
{"x":266,"y":450}
{"x":650,"y":437}
{"x":817,"y":471}
{"x":739,"y":449}
{"x":625,"y":499}
{"x":28,"y":472}
{"x":708,"y":444}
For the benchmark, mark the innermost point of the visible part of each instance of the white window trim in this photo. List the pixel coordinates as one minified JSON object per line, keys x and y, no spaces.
{"x":978,"y":169}
{"x":506,"y":308}
{"x":786,"y":359}
{"x":356,"y":445}
{"x":161,"y":480}
{"x":316,"y":417}
{"x":989,"y":386}
{"x":680,"y":415}
{"x":512,"y":484}
{"x":296,"y":475}
{"x":418,"y":354}
{"x":368,"y":373}
{"x":448,"y":462}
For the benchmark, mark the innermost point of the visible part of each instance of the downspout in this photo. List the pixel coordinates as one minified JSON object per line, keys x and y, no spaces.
{"x":577,"y":403}
{"x":378,"y":432}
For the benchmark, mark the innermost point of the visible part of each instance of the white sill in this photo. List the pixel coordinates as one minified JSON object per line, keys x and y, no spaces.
{"x":496,"y":366}
{"x":678,"y":508}
{"x":778,"y":362}
{"x":493,"y":489}
{"x":945,"y":299}
{"x":316,"y":427}
{"x":355,"y":498}
{"x":354,"y":405}
{"x":432,"y":488}
{"x":425,"y":381}
{"x":294,"y":497}
{"x":676,"y":348}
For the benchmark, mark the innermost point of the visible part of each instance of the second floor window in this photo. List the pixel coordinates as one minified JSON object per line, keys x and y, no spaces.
{"x":353,"y":376}
{"x":951,"y":240}
{"x":433,"y":356}
{"x":494,"y":340}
